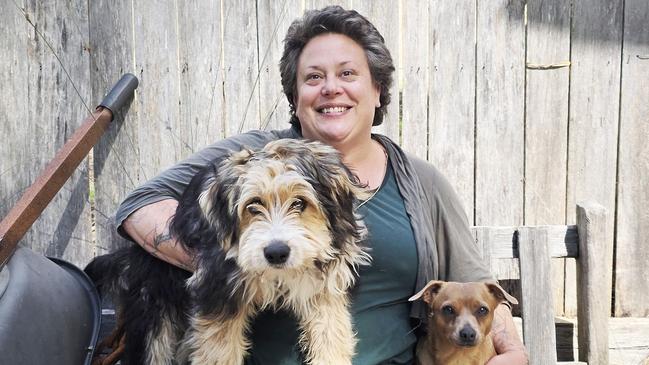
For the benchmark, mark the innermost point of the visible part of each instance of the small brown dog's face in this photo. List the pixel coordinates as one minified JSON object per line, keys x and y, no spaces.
{"x":462,"y":312}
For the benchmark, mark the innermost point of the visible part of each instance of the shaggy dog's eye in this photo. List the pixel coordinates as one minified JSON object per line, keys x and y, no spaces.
{"x":448,"y":310}
{"x":253,"y":207}
{"x":482,"y":311}
{"x":298,"y":204}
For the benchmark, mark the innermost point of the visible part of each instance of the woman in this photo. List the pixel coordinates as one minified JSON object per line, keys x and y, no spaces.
{"x":336,"y":73}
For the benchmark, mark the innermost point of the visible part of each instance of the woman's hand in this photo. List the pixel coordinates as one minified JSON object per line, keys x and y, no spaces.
{"x":508,"y":344}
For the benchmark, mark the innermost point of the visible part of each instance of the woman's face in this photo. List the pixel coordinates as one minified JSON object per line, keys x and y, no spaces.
{"x":336,"y":96}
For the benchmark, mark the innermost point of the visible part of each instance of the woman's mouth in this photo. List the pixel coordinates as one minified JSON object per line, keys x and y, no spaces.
{"x":332,"y":110}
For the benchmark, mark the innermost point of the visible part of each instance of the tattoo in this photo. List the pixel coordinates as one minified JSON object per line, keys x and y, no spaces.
{"x":162,"y":237}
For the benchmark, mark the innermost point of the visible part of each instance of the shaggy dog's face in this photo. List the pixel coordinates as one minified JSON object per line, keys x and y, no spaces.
{"x":286,"y":207}
{"x":282,"y":225}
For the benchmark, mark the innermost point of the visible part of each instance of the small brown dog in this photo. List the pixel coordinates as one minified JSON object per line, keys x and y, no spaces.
{"x":461,"y":316}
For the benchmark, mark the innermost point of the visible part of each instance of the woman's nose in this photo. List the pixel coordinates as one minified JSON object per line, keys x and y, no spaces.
{"x":331,"y":87}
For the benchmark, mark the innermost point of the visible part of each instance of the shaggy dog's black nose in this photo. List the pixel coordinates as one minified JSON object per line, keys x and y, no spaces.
{"x":277,"y":252}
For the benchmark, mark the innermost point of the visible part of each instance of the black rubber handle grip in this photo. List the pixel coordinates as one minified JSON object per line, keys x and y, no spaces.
{"x":121,"y":92}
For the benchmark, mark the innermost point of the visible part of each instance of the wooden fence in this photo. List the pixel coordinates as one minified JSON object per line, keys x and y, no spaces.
{"x":527,"y":106}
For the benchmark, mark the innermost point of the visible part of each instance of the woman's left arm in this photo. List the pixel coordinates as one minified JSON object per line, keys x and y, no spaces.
{"x":507,"y":342}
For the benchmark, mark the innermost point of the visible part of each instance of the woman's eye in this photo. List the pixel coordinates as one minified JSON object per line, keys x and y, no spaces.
{"x":347,"y":74}
{"x":313,"y":77}
{"x":298,"y":204}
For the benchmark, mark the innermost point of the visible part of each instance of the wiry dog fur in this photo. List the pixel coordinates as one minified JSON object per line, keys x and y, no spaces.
{"x":460,"y":324}
{"x":274,"y":228}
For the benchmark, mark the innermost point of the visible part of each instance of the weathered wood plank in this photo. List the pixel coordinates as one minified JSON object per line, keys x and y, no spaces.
{"x":594,"y":274}
{"x":452,"y":88}
{"x":16,"y":164}
{"x":273,"y":20}
{"x":631,"y":275}
{"x":200,"y":77}
{"x":563,"y":241}
{"x":319,"y":4}
{"x":500,"y":111}
{"x":156,"y":61}
{"x":538,"y":316}
{"x":385,"y":17}
{"x":546,"y":123}
{"x":594,"y":103}
{"x":53,"y":109}
{"x":117,"y":161}
{"x":241,"y":67}
{"x":414,"y":129}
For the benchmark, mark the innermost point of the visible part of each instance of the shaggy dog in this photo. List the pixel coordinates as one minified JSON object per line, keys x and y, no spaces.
{"x":274,"y":228}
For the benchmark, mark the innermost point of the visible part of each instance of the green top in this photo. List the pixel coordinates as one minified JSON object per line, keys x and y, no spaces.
{"x":380,"y":307}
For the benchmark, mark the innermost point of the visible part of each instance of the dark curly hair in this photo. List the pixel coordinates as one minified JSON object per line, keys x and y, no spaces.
{"x":335,"y":19}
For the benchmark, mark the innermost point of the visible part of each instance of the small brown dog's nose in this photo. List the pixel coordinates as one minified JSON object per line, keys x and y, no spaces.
{"x":277,"y":252}
{"x":467,"y":336}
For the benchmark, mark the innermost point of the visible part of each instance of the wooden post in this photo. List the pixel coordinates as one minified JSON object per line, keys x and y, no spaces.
{"x":538,"y":314}
{"x":594,"y":276}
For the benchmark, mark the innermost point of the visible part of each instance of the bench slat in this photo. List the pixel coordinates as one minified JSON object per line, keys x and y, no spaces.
{"x":563,"y":241}
{"x":536,"y":282}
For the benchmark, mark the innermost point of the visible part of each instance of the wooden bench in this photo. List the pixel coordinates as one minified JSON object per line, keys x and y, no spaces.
{"x":591,"y":244}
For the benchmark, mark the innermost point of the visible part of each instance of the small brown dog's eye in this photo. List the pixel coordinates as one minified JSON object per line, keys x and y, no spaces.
{"x":448,"y":310}
{"x":298,"y":204}
{"x":482,"y":311}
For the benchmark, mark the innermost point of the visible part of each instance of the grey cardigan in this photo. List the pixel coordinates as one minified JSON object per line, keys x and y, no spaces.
{"x":445,"y":246}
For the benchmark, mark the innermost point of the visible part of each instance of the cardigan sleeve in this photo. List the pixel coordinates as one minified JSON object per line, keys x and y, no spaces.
{"x":458,"y":255}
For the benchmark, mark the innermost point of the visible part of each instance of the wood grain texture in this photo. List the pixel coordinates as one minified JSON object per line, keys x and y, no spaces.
{"x":546,"y":125}
{"x":40,"y":193}
{"x":414,"y":129}
{"x":452,"y":86}
{"x":273,"y":20}
{"x":594,"y":276}
{"x":200,"y":77}
{"x":536,"y":286}
{"x":594,"y":103}
{"x":117,"y":158}
{"x":156,"y":61}
{"x":240,"y":67}
{"x":631,"y":274}
{"x":500,"y":111}
{"x":52,"y":41}
{"x":385,"y":17}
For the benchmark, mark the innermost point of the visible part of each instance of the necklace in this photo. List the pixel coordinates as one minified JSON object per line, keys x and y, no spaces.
{"x":385,"y":170}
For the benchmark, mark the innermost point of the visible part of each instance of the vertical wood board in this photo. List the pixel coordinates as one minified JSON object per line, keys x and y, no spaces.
{"x":156,"y":61}
{"x":200,"y":76}
{"x":385,"y":17}
{"x":546,"y":125}
{"x":273,"y":20}
{"x":632,"y":277}
{"x":54,"y":110}
{"x":499,"y":108}
{"x":452,"y":88}
{"x":414,"y":129}
{"x":538,"y":315}
{"x":117,"y":162}
{"x":241,"y":67}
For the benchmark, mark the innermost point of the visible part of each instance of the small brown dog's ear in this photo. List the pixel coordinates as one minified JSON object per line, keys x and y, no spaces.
{"x":500,"y":293}
{"x":428,"y":292}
